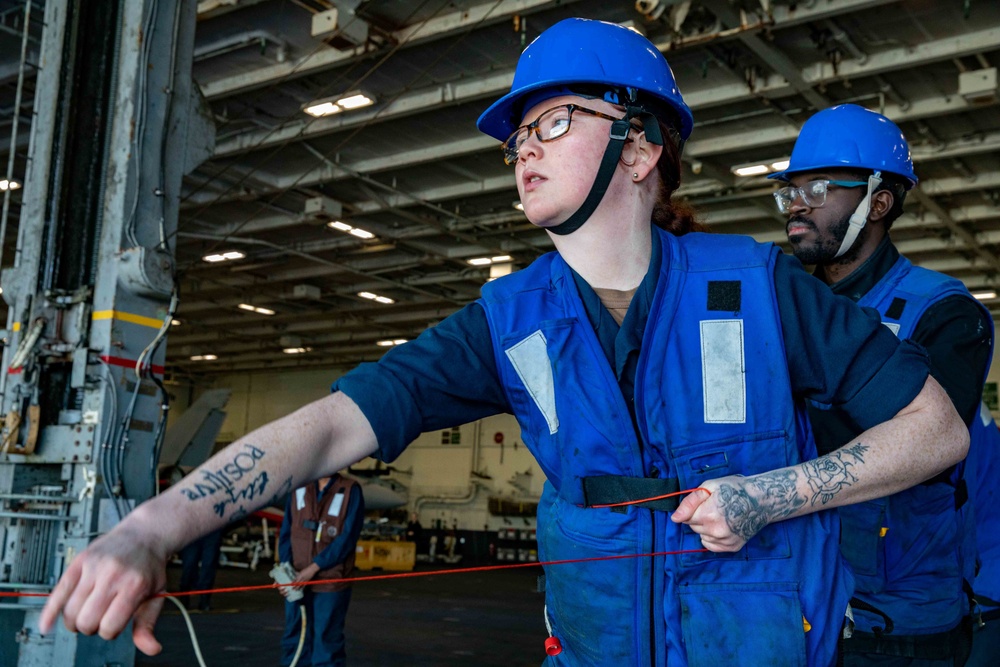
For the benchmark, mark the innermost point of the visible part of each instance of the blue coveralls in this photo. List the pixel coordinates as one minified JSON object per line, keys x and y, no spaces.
{"x":982,"y":470}
{"x":712,"y":398}
{"x":908,"y":551}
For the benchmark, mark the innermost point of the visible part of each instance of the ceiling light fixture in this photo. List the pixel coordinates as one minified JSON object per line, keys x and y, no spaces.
{"x":350,"y":229}
{"x":8,"y":185}
{"x":390,"y":343}
{"x":256,"y":309}
{"x":518,"y":205}
{"x":224,"y":256}
{"x":760,"y":168}
{"x":331,"y":106}
{"x":175,"y":323}
{"x":375,"y":297}
{"x":204,"y":357}
{"x":486,"y":261}
{"x":985,"y":295}
{"x":296,"y":350}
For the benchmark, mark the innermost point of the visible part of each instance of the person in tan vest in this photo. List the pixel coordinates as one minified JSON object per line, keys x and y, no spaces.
{"x":318,"y":537}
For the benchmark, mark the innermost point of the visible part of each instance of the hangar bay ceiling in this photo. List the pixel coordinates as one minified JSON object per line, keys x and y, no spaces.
{"x":338,"y":232}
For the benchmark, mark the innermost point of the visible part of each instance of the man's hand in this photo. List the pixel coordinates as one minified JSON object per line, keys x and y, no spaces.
{"x":307,"y":573}
{"x":109,"y":584}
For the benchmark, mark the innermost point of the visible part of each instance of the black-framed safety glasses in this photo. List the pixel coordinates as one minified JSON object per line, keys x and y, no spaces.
{"x":813,"y":193}
{"x":551,"y":125}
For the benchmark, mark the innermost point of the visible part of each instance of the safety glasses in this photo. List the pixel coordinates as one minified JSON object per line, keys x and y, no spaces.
{"x":551,"y":125}
{"x":813,"y":193}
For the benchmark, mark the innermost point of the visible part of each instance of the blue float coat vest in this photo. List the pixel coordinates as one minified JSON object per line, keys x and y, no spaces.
{"x":712,"y":398}
{"x":982,"y":469}
{"x":909,"y":551}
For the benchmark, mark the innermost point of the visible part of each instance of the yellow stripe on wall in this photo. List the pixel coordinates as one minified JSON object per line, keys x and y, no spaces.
{"x":141,"y":320}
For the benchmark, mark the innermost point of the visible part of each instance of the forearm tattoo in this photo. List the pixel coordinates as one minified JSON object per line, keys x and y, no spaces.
{"x":765,"y":498}
{"x":236,"y":485}
{"x":829,"y":475}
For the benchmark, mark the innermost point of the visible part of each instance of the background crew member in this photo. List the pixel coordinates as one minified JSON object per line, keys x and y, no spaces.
{"x":699,"y":384}
{"x":982,"y":469}
{"x":319,"y":536}
{"x":848,"y":175}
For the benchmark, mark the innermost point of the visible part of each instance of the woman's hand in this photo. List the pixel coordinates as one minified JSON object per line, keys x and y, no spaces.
{"x":110,"y":583}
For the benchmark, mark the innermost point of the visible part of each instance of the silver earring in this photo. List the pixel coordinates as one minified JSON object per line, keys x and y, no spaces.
{"x":635,"y":175}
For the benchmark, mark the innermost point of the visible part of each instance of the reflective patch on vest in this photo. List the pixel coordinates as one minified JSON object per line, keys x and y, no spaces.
{"x":338,"y":502}
{"x":300,"y":498}
{"x":984,"y":414}
{"x":893,"y":327}
{"x":722,"y":370}
{"x":530,"y":360}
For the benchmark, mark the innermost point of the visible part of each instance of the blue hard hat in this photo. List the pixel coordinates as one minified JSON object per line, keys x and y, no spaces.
{"x":588,"y":53}
{"x":850,"y":137}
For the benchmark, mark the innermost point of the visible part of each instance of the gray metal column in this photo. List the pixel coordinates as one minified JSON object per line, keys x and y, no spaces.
{"x":117,"y":123}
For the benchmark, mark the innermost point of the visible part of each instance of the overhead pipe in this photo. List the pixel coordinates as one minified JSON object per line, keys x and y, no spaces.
{"x":242,"y":40}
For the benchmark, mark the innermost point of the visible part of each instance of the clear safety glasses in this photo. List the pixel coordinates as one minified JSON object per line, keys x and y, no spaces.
{"x":551,"y":125}
{"x":813,"y":193}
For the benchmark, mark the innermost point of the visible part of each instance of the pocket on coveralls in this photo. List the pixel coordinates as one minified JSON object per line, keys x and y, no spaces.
{"x":863,"y":544}
{"x":743,"y":624}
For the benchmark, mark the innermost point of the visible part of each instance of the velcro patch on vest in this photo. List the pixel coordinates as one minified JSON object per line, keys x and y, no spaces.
{"x":725,"y":295}
{"x":530,"y":359}
{"x":895,"y":310}
{"x":723,"y":372}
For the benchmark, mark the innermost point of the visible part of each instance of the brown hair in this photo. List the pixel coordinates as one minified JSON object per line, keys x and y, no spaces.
{"x":678,"y":218}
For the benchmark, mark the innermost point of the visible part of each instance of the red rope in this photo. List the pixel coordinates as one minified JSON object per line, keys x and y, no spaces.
{"x":382,"y":577}
{"x":647,"y":500}
{"x":407,"y":575}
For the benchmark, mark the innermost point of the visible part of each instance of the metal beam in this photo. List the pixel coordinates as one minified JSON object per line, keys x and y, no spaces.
{"x":495,"y":84}
{"x":441,"y":27}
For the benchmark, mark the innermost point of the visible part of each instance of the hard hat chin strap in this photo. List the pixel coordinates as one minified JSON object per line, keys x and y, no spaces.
{"x":613,"y":153}
{"x":860,"y":216}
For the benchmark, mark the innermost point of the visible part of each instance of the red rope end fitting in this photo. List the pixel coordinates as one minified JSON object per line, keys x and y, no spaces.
{"x":553,"y":646}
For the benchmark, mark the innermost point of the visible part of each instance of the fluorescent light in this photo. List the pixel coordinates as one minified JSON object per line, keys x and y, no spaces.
{"x":173,"y":323}
{"x":8,"y":185}
{"x":296,"y":350}
{"x":780,"y":165}
{"x":223,"y":256}
{"x":204,"y":357}
{"x":480,"y":261}
{"x":355,"y":101}
{"x":501,"y":258}
{"x":376,"y":297}
{"x":984,"y":295}
{"x":321,"y":109}
{"x":256,"y":309}
{"x":753,"y":170}
{"x":518,"y":205}
{"x":330,"y":106}
{"x":390,"y":343}
{"x":354,"y":231}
